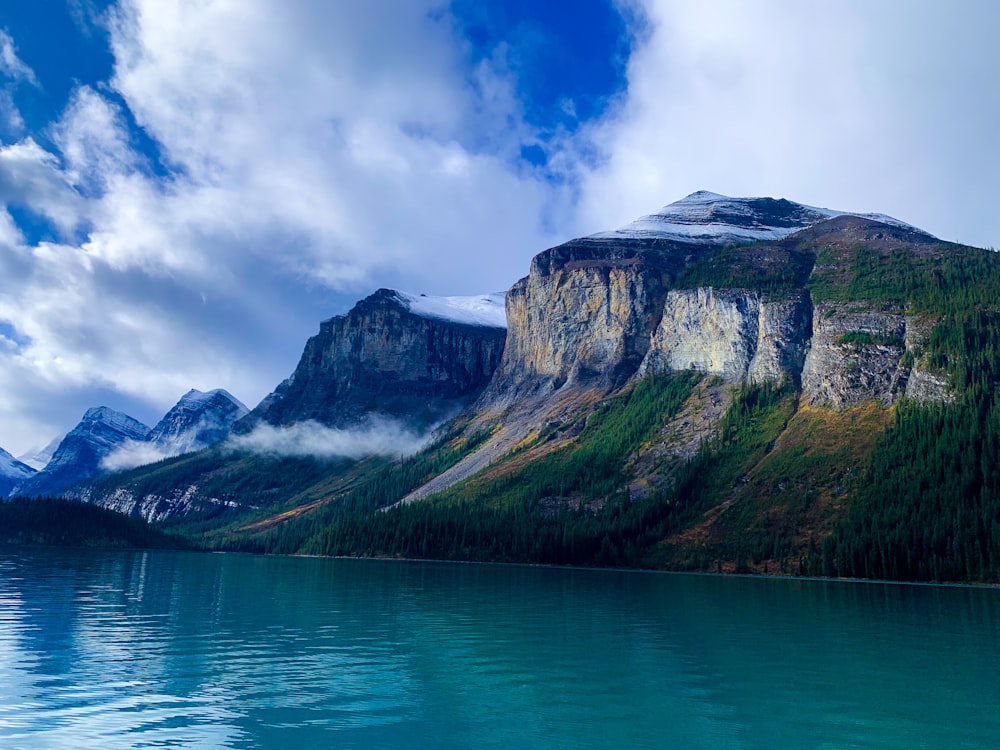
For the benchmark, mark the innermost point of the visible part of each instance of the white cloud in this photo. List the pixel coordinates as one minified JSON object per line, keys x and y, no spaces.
{"x":134,"y":453}
{"x":303,"y":153}
{"x":93,"y":141}
{"x":307,"y":151}
{"x":378,"y":436}
{"x":32,"y":178}
{"x":851,"y":105}
{"x":10,"y":64}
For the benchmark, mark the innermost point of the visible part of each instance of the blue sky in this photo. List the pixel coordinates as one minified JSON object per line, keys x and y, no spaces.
{"x":187,"y":187}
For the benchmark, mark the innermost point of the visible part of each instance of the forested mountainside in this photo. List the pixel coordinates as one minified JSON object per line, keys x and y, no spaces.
{"x":727,"y":385}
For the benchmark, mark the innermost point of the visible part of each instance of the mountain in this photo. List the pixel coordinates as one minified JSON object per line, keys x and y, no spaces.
{"x":197,"y":421}
{"x":12,"y":472}
{"x":729,"y":384}
{"x":711,"y":219}
{"x":80,"y":453}
{"x":39,"y":458}
{"x":412,"y":357}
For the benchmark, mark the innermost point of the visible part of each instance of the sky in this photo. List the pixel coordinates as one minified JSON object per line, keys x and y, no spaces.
{"x":188,"y":187}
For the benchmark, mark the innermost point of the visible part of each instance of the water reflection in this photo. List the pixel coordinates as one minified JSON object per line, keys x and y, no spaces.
{"x":188,"y":650}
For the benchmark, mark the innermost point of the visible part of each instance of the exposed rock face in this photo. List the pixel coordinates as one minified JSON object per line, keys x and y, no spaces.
{"x":596,"y":311}
{"x":382,"y":357}
{"x":735,"y":334}
{"x":578,"y":321}
{"x":151,"y":507}
{"x":79,"y":455}
{"x":856,"y":355}
{"x":927,"y":387}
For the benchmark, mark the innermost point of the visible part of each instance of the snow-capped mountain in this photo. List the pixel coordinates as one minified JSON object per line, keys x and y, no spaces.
{"x":39,"y":459}
{"x":710,"y":218}
{"x":12,"y":472}
{"x":199,"y":420}
{"x":81,"y":452}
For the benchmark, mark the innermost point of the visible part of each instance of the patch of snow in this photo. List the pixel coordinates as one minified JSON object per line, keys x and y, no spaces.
{"x":480,"y":310}
{"x":709,"y":218}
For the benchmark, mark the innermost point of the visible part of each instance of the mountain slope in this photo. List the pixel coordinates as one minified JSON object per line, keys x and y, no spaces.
{"x":80,"y":453}
{"x":768,"y":388}
{"x":411,"y":357}
{"x":197,"y":421}
{"x":12,"y":473}
{"x":39,"y":458}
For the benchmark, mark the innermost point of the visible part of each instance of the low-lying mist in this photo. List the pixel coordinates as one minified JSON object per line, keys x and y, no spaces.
{"x":134,"y":453}
{"x":376,"y":436}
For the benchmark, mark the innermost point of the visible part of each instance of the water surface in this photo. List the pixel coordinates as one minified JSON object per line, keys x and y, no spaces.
{"x":159,"y":649}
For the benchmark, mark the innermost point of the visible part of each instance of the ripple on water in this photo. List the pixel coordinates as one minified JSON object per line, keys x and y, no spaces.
{"x":113,"y":650}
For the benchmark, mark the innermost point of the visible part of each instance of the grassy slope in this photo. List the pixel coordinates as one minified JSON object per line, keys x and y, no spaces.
{"x":541,"y":511}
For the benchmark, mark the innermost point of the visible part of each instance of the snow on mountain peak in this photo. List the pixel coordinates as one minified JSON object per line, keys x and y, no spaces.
{"x":704,"y":217}
{"x":198,"y":420}
{"x":114,"y":419}
{"x":479,"y":310}
{"x":194,"y":397}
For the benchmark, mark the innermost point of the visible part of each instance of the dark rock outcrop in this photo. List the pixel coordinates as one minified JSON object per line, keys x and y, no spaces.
{"x":384,"y":358}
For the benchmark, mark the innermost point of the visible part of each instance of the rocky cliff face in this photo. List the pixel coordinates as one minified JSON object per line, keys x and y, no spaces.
{"x":579,"y":321}
{"x":856,"y":354}
{"x":595,"y":312}
{"x":415,"y":358}
{"x":736,"y":334}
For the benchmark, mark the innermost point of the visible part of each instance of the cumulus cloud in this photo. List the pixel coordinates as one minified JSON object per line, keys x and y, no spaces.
{"x":851,"y":105}
{"x":297,"y":156}
{"x":291,"y":156}
{"x":377,"y":436}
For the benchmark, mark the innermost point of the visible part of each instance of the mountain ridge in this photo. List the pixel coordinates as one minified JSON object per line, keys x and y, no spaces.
{"x":664,"y":400}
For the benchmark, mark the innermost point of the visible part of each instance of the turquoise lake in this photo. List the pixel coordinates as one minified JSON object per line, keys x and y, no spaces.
{"x":160,"y":649}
